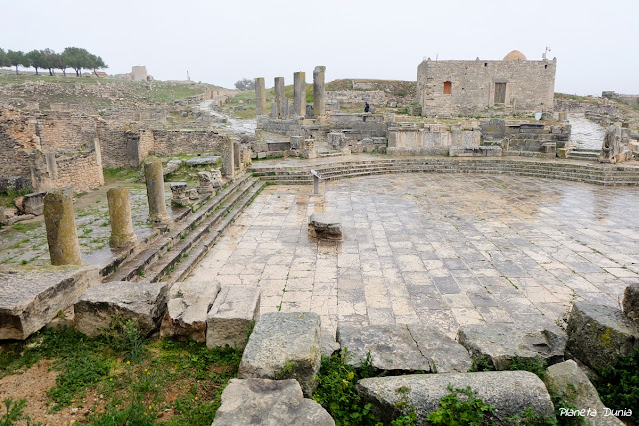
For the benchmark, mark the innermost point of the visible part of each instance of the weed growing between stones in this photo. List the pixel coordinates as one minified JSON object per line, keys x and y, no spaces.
{"x":470,"y":410}
{"x":142,"y":380}
{"x":618,"y":385}
{"x":336,"y":390}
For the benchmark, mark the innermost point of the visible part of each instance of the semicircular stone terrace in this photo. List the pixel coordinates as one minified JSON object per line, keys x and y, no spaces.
{"x":435,"y":249}
{"x":297,"y":171}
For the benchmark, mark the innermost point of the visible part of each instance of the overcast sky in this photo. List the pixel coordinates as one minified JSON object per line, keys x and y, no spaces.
{"x":219,"y":42}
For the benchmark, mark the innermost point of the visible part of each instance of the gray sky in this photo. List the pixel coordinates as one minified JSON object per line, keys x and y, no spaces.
{"x":220,"y":42}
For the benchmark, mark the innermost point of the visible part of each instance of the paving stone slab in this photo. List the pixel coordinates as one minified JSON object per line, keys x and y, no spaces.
{"x":283,"y":346}
{"x":403,"y":348}
{"x":598,"y":334}
{"x":232,"y":315}
{"x":99,"y":305}
{"x":567,"y":377}
{"x":325,"y":226}
{"x":509,"y":392}
{"x":268,"y":402}
{"x":501,"y":343}
{"x":30,"y":297}
{"x":187,"y":309}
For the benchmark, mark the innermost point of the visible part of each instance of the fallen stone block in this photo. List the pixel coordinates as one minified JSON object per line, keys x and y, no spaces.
{"x":187,"y":308}
{"x":509,"y":392}
{"x":324,"y":225}
{"x":33,"y":203}
{"x":284,"y":346}
{"x":231,"y":317}
{"x":501,"y":343}
{"x":30,"y":297}
{"x":403,"y":349}
{"x":631,"y":302}
{"x":9,"y":216}
{"x":99,"y":305}
{"x":268,"y":402}
{"x":202,"y":161}
{"x":598,"y":334}
{"x":568,"y":378}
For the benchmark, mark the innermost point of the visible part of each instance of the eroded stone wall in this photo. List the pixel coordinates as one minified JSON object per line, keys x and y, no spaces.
{"x":82,"y":171}
{"x":473,"y":87}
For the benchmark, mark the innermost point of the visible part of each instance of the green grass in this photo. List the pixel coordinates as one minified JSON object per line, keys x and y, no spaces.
{"x":6,"y":198}
{"x":139,"y":378}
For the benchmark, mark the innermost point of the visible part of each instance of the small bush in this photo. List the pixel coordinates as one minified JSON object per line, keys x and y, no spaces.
{"x":618,"y":386}
{"x":470,"y":410}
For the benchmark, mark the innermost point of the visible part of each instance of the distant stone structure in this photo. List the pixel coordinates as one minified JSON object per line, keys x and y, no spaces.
{"x":138,"y":73}
{"x":514,"y":85}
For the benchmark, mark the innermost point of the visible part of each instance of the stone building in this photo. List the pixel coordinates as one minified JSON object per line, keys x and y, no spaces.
{"x":512,"y":85}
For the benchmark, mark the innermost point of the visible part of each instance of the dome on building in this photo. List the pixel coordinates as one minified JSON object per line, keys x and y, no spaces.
{"x":514,"y":56}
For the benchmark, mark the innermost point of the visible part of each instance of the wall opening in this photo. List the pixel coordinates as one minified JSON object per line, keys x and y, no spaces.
{"x":485,"y":64}
{"x":448,"y":87}
{"x":500,"y":93}
{"x":545,"y":66}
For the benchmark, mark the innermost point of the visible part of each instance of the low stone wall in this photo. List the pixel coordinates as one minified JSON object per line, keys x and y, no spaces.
{"x":516,"y":137}
{"x":173,"y":142}
{"x":82,"y":171}
{"x":433,"y":139}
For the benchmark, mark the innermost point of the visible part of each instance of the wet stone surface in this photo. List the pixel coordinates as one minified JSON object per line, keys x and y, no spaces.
{"x":438,"y":250}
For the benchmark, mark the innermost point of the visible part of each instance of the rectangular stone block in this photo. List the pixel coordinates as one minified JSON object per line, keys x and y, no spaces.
{"x":231,"y":316}
{"x":187,"y":309}
{"x":99,"y":305}
{"x":31,"y":297}
{"x":284,"y":346}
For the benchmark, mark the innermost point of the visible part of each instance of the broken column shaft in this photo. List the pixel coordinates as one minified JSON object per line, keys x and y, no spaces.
{"x":260,"y":96}
{"x":122,"y":233}
{"x":299,"y":94}
{"x":319,"y":102}
{"x":280,"y":98}
{"x":155,"y":190}
{"x":62,"y":234}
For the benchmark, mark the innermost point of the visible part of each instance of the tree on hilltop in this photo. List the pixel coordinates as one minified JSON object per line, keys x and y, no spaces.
{"x":95,"y":63}
{"x":17,"y":57}
{"x":51,"y":60}
{"x":37,"y":59}
{"x":245,"y":84}
{"x":4,"y":61}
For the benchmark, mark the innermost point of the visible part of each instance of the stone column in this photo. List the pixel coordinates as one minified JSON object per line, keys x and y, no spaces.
{"x":122,"y":233}
{"x":62,"y":234}
{"x":299,"y":90}
{"x":319,"y":103}
{"x":155,"y":190}
{"x":228,"y":160}
{"x":280,"y":98}
{"x":260,"y":97}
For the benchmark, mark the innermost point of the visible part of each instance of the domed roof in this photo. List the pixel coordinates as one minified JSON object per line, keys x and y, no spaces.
{"x":514,"y":56}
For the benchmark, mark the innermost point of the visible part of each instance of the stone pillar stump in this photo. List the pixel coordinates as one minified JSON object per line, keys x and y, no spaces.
{"x":62,"y":234}
{"x":122,"y":233}
{"x":155,"y":190}
{"x":260,"y":97}
{"x":319,"y":103}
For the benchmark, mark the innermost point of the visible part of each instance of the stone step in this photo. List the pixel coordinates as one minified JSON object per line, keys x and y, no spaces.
{"x":131,"y":268}
{"x":184,"y":268}
{"x":162,"y":269}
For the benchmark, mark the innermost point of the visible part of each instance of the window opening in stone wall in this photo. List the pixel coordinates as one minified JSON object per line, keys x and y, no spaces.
{"x":448,"y":87}
{"x":545,"y":66}
{"x":500,"y":93}
{"x":485,"y":64}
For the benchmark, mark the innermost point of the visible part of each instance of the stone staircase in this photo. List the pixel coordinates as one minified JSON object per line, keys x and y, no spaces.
{"x":564,"y":170}
{"x":171,"y":256}
{"x":584,"y":154}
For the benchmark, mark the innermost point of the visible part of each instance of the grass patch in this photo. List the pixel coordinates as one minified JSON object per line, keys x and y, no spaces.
{"x":618,"y":385}
{"x":140,"y":378}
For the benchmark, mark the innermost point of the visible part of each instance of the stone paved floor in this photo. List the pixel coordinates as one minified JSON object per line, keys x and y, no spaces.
{"x":438,"y":249}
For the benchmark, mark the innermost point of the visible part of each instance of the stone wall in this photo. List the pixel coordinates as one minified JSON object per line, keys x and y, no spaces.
{"x":632,"y":100}
{"x":17,"y":140}
{"x":515,"y":137}
{"x":431,"y":139}
{"x":172,"y":142}
{"x":62,"y":130}
{"x":473,"y":87}
{"x":82,"y":171}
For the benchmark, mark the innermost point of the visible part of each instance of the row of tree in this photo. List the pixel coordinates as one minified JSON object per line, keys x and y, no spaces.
{"x":71,"y":57}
